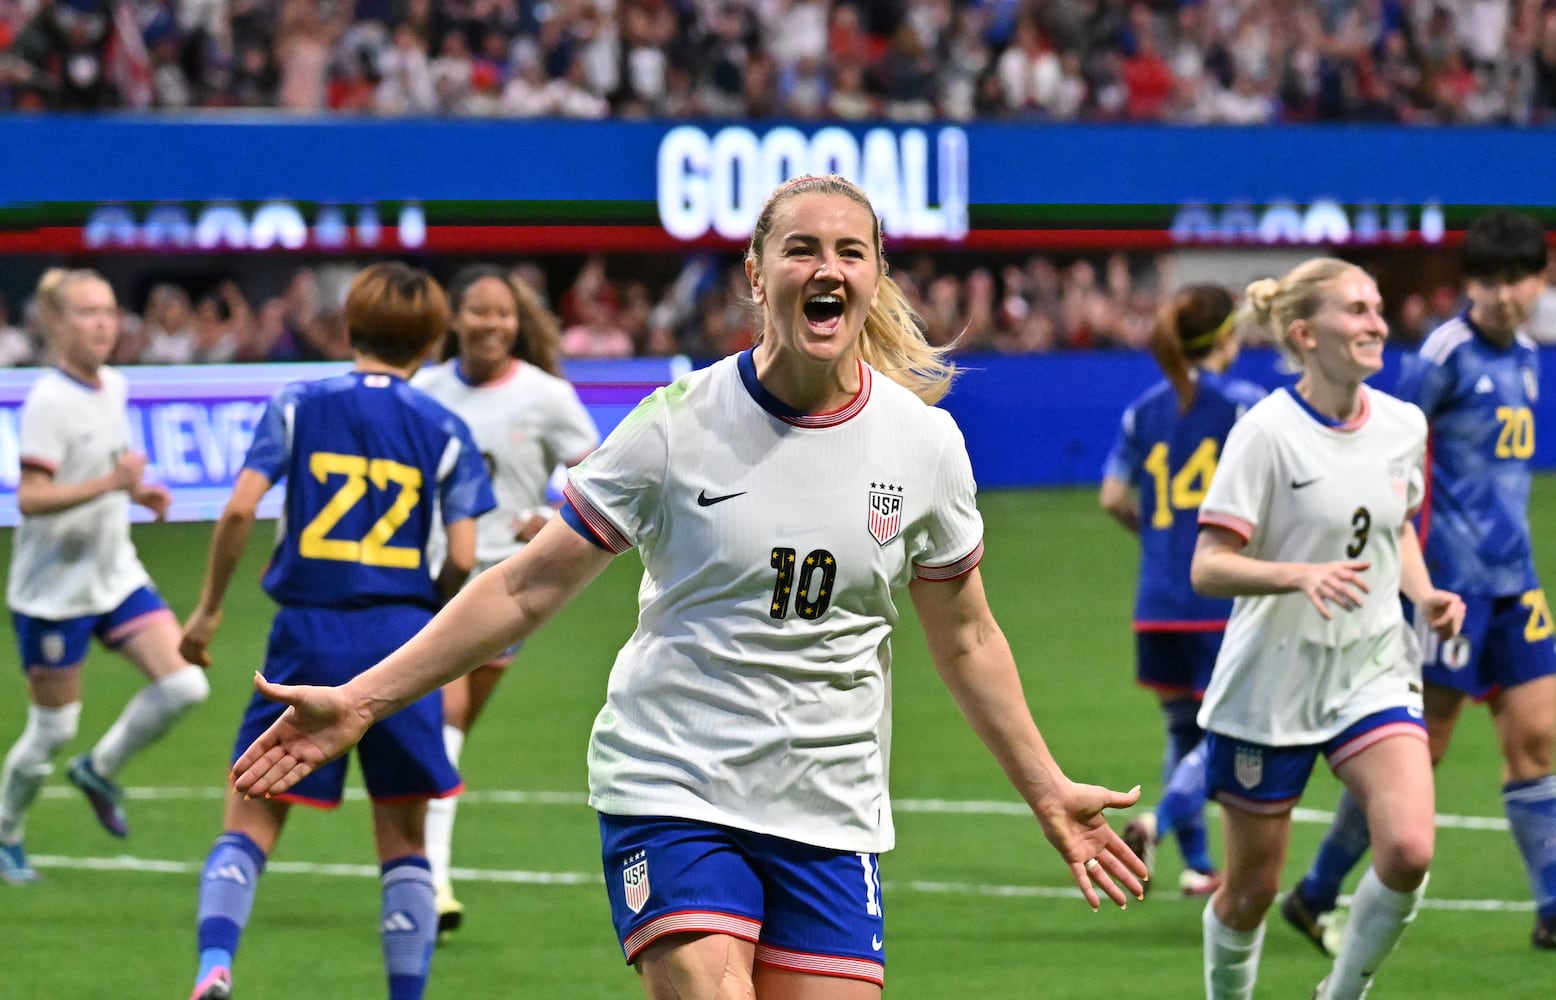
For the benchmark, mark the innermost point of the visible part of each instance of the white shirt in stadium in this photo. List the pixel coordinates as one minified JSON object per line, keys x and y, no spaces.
{"x":1300,"y":490}
{"x":526,"y":423}
{"x":80,"y":561}
{"x":755,"y":691}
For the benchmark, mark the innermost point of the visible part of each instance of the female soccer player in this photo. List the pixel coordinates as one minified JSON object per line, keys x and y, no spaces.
{"x":1169,"y":441}
{"x":501,"y":374}
{"x":1306,"y":525}
{"x":370,"y":465}
{"x":74,"y":570}
{"x":778,"y":499}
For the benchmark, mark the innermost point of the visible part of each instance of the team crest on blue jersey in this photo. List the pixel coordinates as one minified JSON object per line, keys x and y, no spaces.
{"x":885,"y":512}
{"x":1531,"y":384}
{"x":1248,"y":766}
{"x":634,"y":881}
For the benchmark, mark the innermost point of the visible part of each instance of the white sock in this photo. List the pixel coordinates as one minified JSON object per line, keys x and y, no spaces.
{"x":27,"y":765}
{"x":440,"y":818}
{"x":147,"y":716}
{"x":1231,"y":958}
{"x":1378,"y":917}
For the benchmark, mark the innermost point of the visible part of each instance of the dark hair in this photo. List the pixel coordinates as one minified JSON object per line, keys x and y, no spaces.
{"x":1504,"y":246}
{"x":1187,"y":329}
{"x":394,"y":313}
{"x":539,"y":342}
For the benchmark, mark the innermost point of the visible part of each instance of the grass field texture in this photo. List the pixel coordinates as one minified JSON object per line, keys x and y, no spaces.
{"x":978,"y":905}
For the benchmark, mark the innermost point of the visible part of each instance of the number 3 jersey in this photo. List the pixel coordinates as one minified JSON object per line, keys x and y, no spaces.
{"x":1300,"y":488}
{"x":1479,"y":399}
{"x":371,"y":465}
{"x":755,"y":691}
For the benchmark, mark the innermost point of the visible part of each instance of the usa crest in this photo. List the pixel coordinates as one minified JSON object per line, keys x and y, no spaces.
{"x":634,"y":882}
{"x":885,"y":512}
{"x":1248,"y":766}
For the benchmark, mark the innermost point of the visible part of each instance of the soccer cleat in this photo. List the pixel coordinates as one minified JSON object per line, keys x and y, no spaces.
{"x":1323,"y":989}
{"x":1193,"y":883}
{"x":1544,"y":936}
{"x":103,"y":794}
{"x":451,"y":912}
{"x":217,"y":985}
{"x":1140,"y":836}
{"x":14,"y":867}
{"x":1322,"y":929}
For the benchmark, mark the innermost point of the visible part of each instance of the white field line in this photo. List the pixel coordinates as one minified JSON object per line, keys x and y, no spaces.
{"x":128,"y":863}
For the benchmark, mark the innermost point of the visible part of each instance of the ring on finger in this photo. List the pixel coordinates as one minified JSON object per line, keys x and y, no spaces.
{"x":1092,"y":864}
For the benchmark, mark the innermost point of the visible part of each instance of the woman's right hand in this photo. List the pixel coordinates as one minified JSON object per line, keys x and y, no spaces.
{"x":1337,"y":583}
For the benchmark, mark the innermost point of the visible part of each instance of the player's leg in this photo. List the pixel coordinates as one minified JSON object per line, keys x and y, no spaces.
{"x":824,"y":928}
{"x":1387,"y":767}
{"x":1525,"y":718}
{"x":463,"y":700}
{"x":145,"y":631}
{"x":1309,"y":907}
{"x":228,"y":883}
{"x":408,"y":916}
{"x":53,"y":716}
{"x":698,"y":967}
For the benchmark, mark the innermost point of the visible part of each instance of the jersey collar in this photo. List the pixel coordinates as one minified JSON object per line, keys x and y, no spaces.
{"x":746,"y":363}
{"x":1355,"y":423}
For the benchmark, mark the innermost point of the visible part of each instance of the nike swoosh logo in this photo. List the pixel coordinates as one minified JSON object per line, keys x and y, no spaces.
{"x":1306,"y":482}
{"x":703,"y":500}
{"x":875,"y":942}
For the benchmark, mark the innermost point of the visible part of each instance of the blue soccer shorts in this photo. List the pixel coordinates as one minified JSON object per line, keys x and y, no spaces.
{"x":402,"y":756}
{"x":64,"y":643}
{"x":1270,"y":780}
{"x":1176,"y":662}
{"x":1506,"y":641}
{"x":808,"y":909}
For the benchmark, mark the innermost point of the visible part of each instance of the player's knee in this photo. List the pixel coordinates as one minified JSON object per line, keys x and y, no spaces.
{"x":1402,"y":859}
{"x":184,"y":689}
{"x":1247,"y":904}
{"x":48,"y":730}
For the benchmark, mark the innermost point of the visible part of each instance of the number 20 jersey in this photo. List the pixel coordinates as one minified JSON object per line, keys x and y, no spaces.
{"x":755,"y":691}
{"x":371,"y":465}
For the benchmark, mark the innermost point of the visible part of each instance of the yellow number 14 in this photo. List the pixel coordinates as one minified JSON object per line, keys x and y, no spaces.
{"x":1184,"y":489}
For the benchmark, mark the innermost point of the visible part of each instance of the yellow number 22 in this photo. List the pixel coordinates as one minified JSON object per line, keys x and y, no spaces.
{"x":373,"y":549}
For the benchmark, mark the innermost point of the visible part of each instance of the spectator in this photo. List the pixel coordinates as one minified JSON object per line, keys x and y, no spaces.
{"x":17,"y":350}
{"x":170,"y":335}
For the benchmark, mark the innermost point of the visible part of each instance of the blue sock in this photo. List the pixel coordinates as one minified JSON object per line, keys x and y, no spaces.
{"x":1182,"y":810}
{"x":1183,"y":733}
{"x":1343,"y":846}
{"x":1531,"y":812}
{"x":408,"y":926}
{"x":227,"y":887}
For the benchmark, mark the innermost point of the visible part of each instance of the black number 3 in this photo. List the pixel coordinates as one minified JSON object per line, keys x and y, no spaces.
{"x":1362,"y":522}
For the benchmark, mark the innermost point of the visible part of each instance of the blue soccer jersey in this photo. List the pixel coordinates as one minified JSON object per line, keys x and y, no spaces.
{"x":1478,"y":399}
{"x":371,"y":465}
{"x":1170,"y":457}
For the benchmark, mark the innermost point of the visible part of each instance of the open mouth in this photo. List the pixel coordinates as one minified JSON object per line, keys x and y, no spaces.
{"x":823,"y":310}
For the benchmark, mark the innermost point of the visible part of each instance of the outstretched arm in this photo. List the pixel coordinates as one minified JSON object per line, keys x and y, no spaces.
{"x":976,"y":664}
{"x":497,"y":609}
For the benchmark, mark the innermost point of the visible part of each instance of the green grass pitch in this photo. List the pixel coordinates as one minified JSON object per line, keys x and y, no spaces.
{"x":977,"y":903}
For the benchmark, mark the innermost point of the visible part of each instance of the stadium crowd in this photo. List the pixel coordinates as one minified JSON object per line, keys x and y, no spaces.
{"x":1229,"y":61}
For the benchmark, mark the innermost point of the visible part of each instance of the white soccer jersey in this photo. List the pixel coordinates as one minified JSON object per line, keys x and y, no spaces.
{"x":1300,"y":490}
{"x":80,"y":561}
{"x":526,"y":423}
{"x":756,"y":689}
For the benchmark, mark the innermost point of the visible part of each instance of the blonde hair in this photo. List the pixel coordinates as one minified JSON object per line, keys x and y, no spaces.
{"x":51,"y":292}
{"x":1276,"y":304}
{"x":892,"y":341}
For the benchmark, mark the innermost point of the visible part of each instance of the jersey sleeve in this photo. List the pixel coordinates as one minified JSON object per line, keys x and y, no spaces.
{"x":465,"y":490}
{"x":615,"y":492}
{"x":1124,"y":458}
{"x":950,"y":541}
{"x":1239,"y":493}
{"x":41,"y":438}
{"x":1425,"y":382}
{"x":271,"y":448}
{"x":571,"y":434}
{"x":1415,"y":486}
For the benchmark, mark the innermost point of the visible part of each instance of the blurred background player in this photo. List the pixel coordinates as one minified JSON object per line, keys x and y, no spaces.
{"x":502,"y":375}
{"x":1307,"y":524}
{"x":1169,"y":442}
{"x":1476,"y":378}
{"x":370,"y":465}
{"x":75,"y":572}
{"x":739,"y":764}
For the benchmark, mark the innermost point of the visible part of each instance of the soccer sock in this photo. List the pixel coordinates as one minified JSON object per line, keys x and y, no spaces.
{"x":1531,"y":813}
{"x":1182,"y":810}
{"x":147,"y":716}
{"x":227,"y":887}
{"x":1343,"y":846}
{"x":440,"y":817}
{"x":27,"y":764}
{"x":1379,"y":916}
{"x":409,"y":925}
{"x":1183,"y":733}
{"x":1231,"y":958}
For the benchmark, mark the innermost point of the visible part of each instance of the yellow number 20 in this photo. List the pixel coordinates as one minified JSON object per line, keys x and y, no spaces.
{"x":374,"y":548}
{"x":1516,"y":439}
